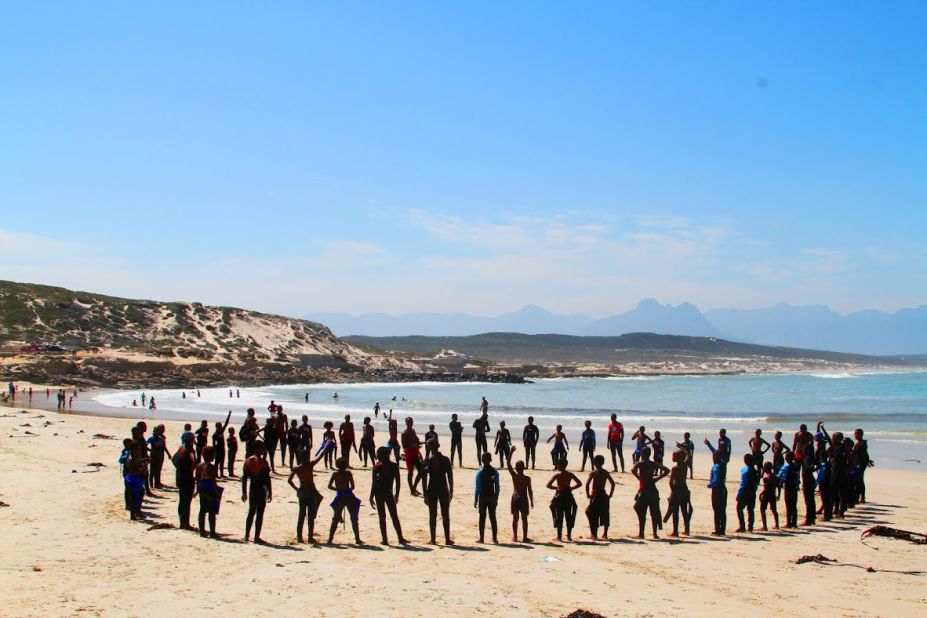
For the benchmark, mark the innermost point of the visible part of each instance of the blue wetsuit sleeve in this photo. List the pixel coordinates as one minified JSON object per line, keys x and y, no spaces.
{"x":479,"y":475}
{"x":496,"y":483}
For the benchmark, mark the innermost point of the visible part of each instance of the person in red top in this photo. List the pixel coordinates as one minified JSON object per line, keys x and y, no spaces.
{"x":346,"y":436}
{"x":616,"y":441}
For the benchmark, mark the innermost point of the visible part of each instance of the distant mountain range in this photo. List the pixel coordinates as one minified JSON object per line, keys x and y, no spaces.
{"x":903,"y":332}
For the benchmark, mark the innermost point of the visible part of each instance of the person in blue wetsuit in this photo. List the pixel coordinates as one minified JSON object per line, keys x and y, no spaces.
{"x":746,"y":493}
{"x":718,"y":489}
{"x":587,"y":446}
{"x":561,"y":446}
{"x":789,"y":478}
{"x":486,"y":496}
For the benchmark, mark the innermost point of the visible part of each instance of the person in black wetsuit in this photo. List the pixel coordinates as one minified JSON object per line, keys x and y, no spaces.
{"x":218,"y":444}
{"x":486,"y":497}
{"x":384,"y":493}
{"x":789,"y":477}
{"x":231,"y":444}
{"x":530,"y":436}
{"x":456,"y":428}
{"x":305,"y":435}
{"x":648,"y":496}
{"x":746,"y":493}
{"x":437,"y":477}
{"x":292,"y":442}
{"x":257,"y":470}
{"x":809,"y":467}
{"x":202,"y":439}
{"x":184,"y":460}
{"x":861,"y":462}
{"x":157,"y":446}
{"x":367,"y":446}
{"x":270,"y":438}
{"x":503,"y":443}
{"x":481,"y":427}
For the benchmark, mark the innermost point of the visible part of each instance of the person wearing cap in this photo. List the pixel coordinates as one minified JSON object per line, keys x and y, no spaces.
{"x":184,"y":461}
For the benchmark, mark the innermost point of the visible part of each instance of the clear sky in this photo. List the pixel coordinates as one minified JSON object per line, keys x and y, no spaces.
{"x":392,"y":156}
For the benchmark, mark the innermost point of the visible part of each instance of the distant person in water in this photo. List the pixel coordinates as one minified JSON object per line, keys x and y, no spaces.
{"x":503,"y":443}
{"x":616,"y":442}
{"x":561,"y":446}
{"x":376,"y":410}
{"x":530,"y":436}
{"x":587,"y":445}
{"x":257,"y":471}
{"x":486,"y":497}
{"x":484,"y":407}
{"x":342,"y":481}
{"x":563,"y":505}
{"x":598,"y":512}
{"x":522,"y":497}
{"x":456,"y":428}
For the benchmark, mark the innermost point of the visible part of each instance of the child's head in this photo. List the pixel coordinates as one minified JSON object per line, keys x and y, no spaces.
{"x":431,"y":428}
{"x":342,"y":464}
{"x":656,"y":435}
{"x":383,"y":454}
{"x":588,"y":424}
{"x":686,"y":435}
{"x":598,"y":461}
{"x":432,"y":444}
{"x":559,"y":427}
{"x":645,"y":453}
{"x":219,"y":425}
{"x":231,"y":431}
{"x":126,"y":443}
{"x":748,"y":459}
{"x":187,"y":426}
{"x":767,"y":467}
{"x":204,"y":424}
{"x":716,"y":457}
{"x":520,"y":466}
{"x":259,"y":449}
{"x":453,"y":417}
{"x":562,"y":464}
{"x":530,"y":420}
{"x":209,"y":453}
{"x":502,"y":424}
{"x":293,"y":423}
{"x":789,"y":457}
{"x":487,"y":459}
{"x":366,"y":420}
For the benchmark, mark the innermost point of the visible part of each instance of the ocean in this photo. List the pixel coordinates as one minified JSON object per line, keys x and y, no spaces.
{"x":890,"y":407}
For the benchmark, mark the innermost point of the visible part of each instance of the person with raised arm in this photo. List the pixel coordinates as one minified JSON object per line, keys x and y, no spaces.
{"x":308,"y":496}
{"x":522,"y":497}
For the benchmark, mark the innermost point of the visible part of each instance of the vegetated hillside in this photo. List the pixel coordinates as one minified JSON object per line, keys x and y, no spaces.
{"x":34,"y":314}
{"x":629,"y":348}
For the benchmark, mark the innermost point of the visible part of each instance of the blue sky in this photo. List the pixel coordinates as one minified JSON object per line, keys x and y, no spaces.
{"x":303,"y":157}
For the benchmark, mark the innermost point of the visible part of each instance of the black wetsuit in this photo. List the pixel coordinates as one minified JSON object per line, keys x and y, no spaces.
{"x":383,"y":484}
{"x":218,"y":444}
{"x":157,"y":450}
{"x":648,"y":496}
{"x":563,"y":506}
{"x":202,"y":439}
{"x":456,"y":428}
{"x":292,"y":439}
{"x":437,"y":493}
{"x":257,"y":498}
{"x":530,"y":436}
{"x":184,"y":479}
{"x":808,"y":469}
{"x":270,"y":439}
{"x":309,"y":501}
{"x":480,"y":426}
{"x":232,"y":444}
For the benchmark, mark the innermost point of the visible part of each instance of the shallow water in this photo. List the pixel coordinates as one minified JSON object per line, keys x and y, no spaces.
{"x":891,"y":407}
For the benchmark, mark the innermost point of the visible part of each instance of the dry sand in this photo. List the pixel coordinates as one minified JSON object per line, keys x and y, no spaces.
{"x":69,"y":548}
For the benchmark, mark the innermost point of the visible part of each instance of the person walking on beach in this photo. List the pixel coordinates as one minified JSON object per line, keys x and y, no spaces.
{"x":530,"y":436}
{"x":561,"y":446}
{"x":563,"y":505}
{"x":184,"y":461}
{"x":437,"y":478}
{"x":456,"y":428}
{"x":522,"y":498}
{"x":616,"y":442}
{"x":384,"y":494}
{"x":718,"y":489}
{"x":342,"y":482}
{"x":308,"y":496}
{"x":412,"y":450}
{"x":481,"y":428}
{"x":587,"y":445}
{"x":598,"y":511}
{"x":207,"y":486}
{"x":648,"y":496}
{"x":503,"y":443}
{"x":346,"y":437}
{"x":257,"y":470}
{"x":746,"y":493}
{"x":486,"y":497}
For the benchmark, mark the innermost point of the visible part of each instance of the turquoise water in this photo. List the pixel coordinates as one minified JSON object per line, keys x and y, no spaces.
{"x":891,"y":407}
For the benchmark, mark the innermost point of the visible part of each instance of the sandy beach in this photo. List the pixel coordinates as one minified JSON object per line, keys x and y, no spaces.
{"x":70,"y":548}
